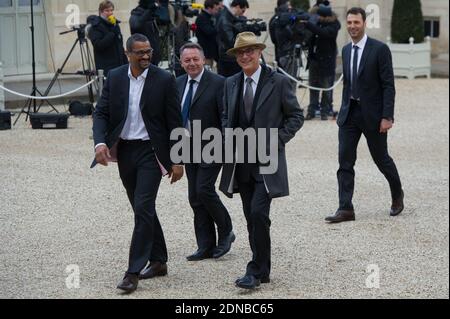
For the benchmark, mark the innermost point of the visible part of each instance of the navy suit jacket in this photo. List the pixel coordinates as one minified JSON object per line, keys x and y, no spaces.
{"x":375,"y":84}
{"x":207,"y":104}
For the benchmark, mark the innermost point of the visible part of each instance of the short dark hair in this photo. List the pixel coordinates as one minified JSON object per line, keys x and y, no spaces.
{"x":105,"y":5}
{"x":191,"y":45}
{"x":137,"y":37}
{"x":240,"y":4}
{"x":209,"y":4}
{"x":356,"y":11}
{"x":282,"y":2}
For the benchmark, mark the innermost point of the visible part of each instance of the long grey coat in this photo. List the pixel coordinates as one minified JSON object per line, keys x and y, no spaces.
{"x":277,"y":107}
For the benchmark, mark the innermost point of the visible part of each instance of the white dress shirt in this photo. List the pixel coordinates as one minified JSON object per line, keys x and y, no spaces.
{"x":134,"y":128}
{"x":361,"y":45}
{"x":196,"y":84}
{"x":186,"y":91}
{"x":255,"y":77}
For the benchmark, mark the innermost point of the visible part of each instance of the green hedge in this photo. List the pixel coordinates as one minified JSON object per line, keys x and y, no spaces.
{"x":407,"y":21}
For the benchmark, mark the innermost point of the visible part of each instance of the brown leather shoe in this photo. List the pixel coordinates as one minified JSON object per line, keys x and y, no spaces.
{"x":155,"y":269}
{"x":341,"y":216}
{"x":129,"y":283}
{"x":397,"y":206}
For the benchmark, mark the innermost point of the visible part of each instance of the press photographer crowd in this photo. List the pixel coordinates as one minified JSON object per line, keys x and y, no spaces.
{"x":297,"y":36}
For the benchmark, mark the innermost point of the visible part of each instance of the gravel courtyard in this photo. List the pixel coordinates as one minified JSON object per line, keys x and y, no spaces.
{"x":55,"y":212}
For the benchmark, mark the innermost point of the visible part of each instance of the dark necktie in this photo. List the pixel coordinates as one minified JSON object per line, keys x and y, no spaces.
{"x":187,"y":103}
{"x":355,"y":73}
{"x":248,"y":98}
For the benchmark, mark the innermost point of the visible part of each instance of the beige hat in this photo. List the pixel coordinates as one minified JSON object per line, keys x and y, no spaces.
{"x":246,"y":40}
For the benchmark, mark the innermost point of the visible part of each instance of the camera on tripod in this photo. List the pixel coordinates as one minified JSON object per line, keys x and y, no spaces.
{"x":296,"y":21}
{"x":257,"y":26}
{"x":80,"y":29}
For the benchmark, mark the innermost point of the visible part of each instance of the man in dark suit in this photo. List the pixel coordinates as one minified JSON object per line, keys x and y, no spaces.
{"x":138,"y":109}
{"x":258,"y":99}
{"x":202,"y":93}
{"x":367,"y":108}
{"x":206,"y":31}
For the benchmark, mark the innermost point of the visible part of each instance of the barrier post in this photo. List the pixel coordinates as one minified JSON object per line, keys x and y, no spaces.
{"x":101,"y":80}
{"x":2,"y":94}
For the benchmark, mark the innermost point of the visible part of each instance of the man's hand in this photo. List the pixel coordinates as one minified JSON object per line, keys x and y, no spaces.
{"x":176,"y":173}
{"x":386,"y":125}
{"x":102,"y":155}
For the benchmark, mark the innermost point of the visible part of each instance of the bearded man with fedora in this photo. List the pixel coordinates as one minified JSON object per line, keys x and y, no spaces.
{"x":258,"y":98}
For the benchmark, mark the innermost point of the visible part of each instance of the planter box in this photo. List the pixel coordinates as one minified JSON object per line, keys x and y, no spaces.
{"x":411,"y":60}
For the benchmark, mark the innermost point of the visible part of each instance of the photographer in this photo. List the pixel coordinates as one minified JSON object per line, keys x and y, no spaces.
{"x":322,"y":58}
{"x":281,"y":32}
{"x":106,"y":38}
{"x":143,"y":21}
{"x":206,"y":30}
{"x":226,"y":36}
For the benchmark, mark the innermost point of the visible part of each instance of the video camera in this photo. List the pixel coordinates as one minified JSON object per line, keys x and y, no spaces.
{"x":295,"y":17}
{"x":257,"y":26}
{"x":296,"y":20}
{"x":188,"y":8}
{"x":80,"y":29}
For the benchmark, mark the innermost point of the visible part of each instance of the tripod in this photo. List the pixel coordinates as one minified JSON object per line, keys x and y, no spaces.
{"x":31,"y":102}
{"x":167,"y":36}
{"x":86,"y":60}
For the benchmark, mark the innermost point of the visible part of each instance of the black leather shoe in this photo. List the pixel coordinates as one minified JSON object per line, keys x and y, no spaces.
{"x":264,"y":280}
{"x":324,"y":117}
{"x":341,"y":216}
{"x":129,"y":283}
{"x":155,"y":269}
{"x":200,"y":254}
{"x":224,"y":245}
{"x":310,"y":117}
{"x":248,"y":282}
{"x":397,"y":206}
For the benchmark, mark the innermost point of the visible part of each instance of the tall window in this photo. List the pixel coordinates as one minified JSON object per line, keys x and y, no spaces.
{"x":432,"y":27}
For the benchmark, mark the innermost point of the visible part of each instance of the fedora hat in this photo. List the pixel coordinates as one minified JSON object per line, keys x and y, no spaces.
{"x":246,"y":40}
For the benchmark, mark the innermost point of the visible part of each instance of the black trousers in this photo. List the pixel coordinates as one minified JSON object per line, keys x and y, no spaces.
{"x":256,"y":203}
{"x":141,"y":176}
{"x":207,"y":206}
{"x":321,"y":79}
{"x":349,"y":136}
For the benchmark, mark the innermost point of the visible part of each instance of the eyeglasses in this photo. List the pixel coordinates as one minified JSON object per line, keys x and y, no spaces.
{"x":248,"y":51}
{"x":142,"y":52}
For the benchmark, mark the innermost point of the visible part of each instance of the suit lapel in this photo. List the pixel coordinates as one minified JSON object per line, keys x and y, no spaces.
{"x":348,"y":57}
{"x":148,"y":87}
{"x":182,"y":85}
{"x":202,"y":86}
{"x":267,"y":87}
{"x":233,"y":97}
{"x":125,"y":94}
{"x":365,"y":54}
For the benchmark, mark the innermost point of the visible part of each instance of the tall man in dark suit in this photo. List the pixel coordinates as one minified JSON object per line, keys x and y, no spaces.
{"x":258,"y":98}
{"x":135,"y":115}
{"x":202,"y":93}
{"x":367,"y":108}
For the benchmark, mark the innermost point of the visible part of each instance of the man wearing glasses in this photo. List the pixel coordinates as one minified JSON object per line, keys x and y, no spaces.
{"x":135,"y":115}
{"x":258,"y":98}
